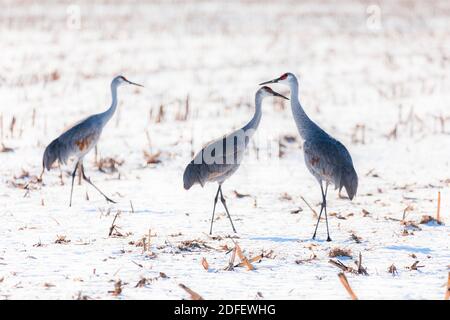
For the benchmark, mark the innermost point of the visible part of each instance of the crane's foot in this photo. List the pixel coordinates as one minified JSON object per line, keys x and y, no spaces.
{"x":328,"y":239}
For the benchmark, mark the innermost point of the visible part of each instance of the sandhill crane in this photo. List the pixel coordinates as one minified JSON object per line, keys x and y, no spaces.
{"x":81,"y":138}
{"x":220,"y":158}
{"x":326,"y":158}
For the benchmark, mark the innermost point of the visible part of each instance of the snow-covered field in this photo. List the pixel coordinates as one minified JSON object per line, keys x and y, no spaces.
{"x":377,"y":77}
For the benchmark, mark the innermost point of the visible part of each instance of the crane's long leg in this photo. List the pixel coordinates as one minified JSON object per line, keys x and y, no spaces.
{"x":42,"y":173}
{"x":323,"y":206}
{"x":73,"y":178}
{"x":90,"y":182}
{"x":222,"y":199}
{"x":214,"y":209}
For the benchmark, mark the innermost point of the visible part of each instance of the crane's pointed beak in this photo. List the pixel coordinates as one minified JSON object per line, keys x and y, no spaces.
{"x":135,"y":84}
{"x":270,"y":81}
{"x":276,"y":94}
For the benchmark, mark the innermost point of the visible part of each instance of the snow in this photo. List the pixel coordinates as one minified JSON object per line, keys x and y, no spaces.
{"x":216,"y":53}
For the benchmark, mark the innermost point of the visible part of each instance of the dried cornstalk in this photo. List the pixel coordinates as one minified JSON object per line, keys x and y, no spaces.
{"x":243,"y":258}
{"x":117,"y":288}
{"x":113,"y":226}
{"x":205,"y":264}
{"x":254,"y":259}
{"x":361,"y":269}
{"x":194,"y":295}
{"x":346,"y":285}
{"x":314,"y":211}
{"x":231,"y":262}
{"x":341,"y":266}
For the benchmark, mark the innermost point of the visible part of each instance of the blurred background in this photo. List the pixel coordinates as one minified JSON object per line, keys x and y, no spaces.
{"x":373,"y":74}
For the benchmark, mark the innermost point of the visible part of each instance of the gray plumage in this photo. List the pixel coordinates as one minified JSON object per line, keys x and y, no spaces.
{"x":329,"y":160}
{"x":326,"y":158}
{"x":199,"y":171}
{"x":81,"y":138}
{"x":221,"y":158}
{"x":76,"y":142}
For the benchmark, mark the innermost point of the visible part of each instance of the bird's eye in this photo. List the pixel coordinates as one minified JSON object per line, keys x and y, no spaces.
{"x":284,"y":76}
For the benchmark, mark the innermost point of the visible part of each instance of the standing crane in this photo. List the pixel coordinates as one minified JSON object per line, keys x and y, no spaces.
{"x":81,"y":138}
{"x":326,"y":158}
{"x":220,"y":158}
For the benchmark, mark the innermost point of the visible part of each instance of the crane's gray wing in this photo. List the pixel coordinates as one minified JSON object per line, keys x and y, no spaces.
{"x":218,"y":160}
{"x":328,"y":159}
{"x":78,"y":140}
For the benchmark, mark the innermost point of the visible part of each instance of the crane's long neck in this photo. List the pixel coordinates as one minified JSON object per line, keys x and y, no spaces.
{"x":110,"y":112}
{"x":306,"y":127}
{"x":254,"y":122}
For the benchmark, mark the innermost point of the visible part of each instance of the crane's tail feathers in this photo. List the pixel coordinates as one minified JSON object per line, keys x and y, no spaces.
{"x":50,"y":154}
{"x":54,"y":151}
{"x":191,"y":175}
{"x":350,"y":182}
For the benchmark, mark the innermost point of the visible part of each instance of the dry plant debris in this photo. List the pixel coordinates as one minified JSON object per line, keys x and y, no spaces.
{"x":109,"y":165}
{"x":311,"y":208}
{"x":194,"y":295}
{"x":410,"y":224}
{"x":141,"y":283}
{"x":340,"y":265}
{"x":114,"y":229}
{"x":355,"y":238}
{"x":415,"y":266}
{"x":393,"y":270}
{"x":117,"y":288}
{"x":285,"y":196}
{"x":205,"y":264}
{"x":244,"y":261}
{"x":61,"y":240}
{"x":191,"y":245}
{"x":81,"y":296}
{"x":152,"y":158}
{"x":145,"y":281}
{"x":240,"y":195}
{"x":359,"y":268}
{"x":4,"y":148}
{"x":426,"y":219}
{"x":257,"y":258}
{"x":113,"y":226}
{"x":346,"y":285}
{"x":230,"y":265}
{"x":296,"y":211}
{"x":243,"y":258}
{"x":311,"y":258}
{"x":48,"y":285}
{"x":339,"y":252}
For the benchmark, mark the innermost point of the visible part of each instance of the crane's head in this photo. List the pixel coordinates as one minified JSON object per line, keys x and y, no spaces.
{"x":120,"y":80}
{"x":286,"y":78}
{"x":268,"y":92}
